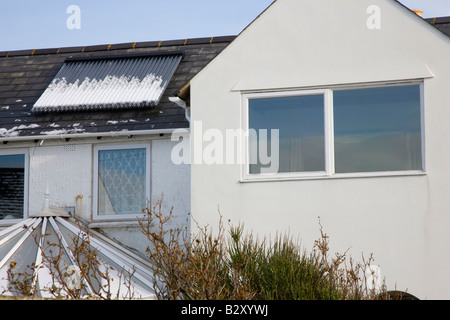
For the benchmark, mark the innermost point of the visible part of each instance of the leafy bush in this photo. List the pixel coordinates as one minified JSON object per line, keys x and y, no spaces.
{"x":215,"y":266}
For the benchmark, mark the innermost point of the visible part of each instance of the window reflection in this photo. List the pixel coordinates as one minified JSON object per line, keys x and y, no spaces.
{"x":12,"y":186}
{"x":377,"y":129}
{"x":300,"y":121}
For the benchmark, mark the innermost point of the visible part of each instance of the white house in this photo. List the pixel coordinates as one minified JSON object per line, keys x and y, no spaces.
{"x":359,"y":90}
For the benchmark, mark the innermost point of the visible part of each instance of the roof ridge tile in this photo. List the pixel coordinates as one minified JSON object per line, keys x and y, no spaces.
{"x":117,"y":46}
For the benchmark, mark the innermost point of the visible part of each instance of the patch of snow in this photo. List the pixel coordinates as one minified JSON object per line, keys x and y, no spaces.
{"x":30,"y":126}
{"x":13,"y":132}
{"x":8,"y":133}
{"x":62,"y":131}
{"x":5,"y":108}
{"x":112,"y":122}
{"x":55,"y":132}
{"x":102,"y":91}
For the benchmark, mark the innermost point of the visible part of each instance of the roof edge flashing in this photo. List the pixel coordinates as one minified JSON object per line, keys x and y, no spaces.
{"x":117,"y":46}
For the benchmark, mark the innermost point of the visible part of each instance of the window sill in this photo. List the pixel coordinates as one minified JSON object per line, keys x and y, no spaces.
{"x":113,"y":224}
{"x":271,"y":178}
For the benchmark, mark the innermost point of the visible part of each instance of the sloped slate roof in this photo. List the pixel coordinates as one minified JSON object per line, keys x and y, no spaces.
{"x":442,"y":23}
{"x":25,"y":74}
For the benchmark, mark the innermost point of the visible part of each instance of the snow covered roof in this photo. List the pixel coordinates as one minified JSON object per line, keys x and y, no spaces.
{"x":30,"y":245}
{"x":26,"y":74}
{"x":118,"y":82}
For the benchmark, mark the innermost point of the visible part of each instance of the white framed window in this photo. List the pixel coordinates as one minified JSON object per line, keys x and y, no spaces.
{"x":340,"y":131}
{"x":14,"y":164}
{"x":121,"y":181}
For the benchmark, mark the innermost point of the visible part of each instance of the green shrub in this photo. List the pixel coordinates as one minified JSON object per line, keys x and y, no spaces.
{"x":214,"y":266}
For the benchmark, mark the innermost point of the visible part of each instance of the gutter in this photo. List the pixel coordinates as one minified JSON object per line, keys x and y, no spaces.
{"x":181,"y":103}
{"x":87,"y":135}
{"x":183,"y":100}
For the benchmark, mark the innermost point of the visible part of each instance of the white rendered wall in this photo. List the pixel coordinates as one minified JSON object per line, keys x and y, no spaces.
{"x":402,"y":220}
{"x":67,"y":170}
{"x":170,"y":182}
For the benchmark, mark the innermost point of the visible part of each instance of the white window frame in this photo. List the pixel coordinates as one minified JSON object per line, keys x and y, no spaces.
{"x":25,"y":185}
{"x":329,"y":172}
{"x":110,"y":217}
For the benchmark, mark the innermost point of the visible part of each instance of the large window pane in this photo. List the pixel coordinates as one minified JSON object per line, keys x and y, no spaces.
{"x":300,"y":121}
{"x":12,"y":182}
{"x":121,"y":181}
{"x":377,"y":129}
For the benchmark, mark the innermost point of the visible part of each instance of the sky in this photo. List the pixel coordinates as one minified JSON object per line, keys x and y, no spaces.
{"x":36,"y":24}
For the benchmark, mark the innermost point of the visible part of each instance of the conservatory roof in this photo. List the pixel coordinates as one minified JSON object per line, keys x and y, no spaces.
{"x":28,"y":246}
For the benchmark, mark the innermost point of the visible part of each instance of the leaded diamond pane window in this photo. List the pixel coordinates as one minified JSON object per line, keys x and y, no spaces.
{"x":122,"y":185}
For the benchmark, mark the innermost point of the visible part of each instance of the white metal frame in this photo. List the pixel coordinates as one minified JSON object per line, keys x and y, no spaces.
{"x":134,"y":265}
{"x":112,"y":253}
{"x":95,"y":214}
{"x":245,"y":126}
{"x":329,"y":172}
{"x":26,"y":181}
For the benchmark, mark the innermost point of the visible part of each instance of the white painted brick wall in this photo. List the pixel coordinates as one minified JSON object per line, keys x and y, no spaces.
{"x":67,"y":170}
{"x":173,"y":181}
